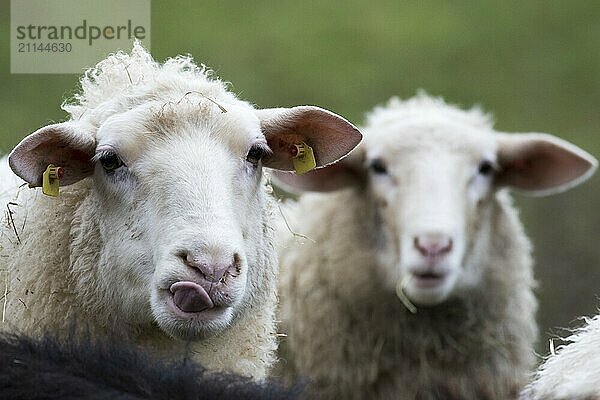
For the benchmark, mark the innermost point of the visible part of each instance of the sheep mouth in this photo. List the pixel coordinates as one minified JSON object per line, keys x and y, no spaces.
{"x":428,"y":279}
{"x":189,"y":299}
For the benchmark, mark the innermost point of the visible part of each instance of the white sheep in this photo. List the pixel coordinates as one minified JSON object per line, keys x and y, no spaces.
{"x":163,"y":227}
{"x":573,"y":371}
{"x":422,"y":215}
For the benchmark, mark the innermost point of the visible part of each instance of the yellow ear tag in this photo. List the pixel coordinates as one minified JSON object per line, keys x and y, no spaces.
{"x":50,"y":180}
{"x":303,"y":158}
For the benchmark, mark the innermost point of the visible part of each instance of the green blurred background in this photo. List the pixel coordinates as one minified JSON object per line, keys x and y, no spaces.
{"x":534,"y":64}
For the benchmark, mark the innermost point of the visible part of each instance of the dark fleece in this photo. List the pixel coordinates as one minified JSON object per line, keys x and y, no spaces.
{"x":48,"y":368}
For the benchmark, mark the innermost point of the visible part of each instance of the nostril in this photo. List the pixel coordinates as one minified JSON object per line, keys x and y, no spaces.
{"x":218,"y":273}
{"x":433,"y":245}
{"x":237,"y":264}
{"x":183,"y":256}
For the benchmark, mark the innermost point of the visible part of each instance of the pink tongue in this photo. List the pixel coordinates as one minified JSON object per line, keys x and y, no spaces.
{"x":190,"y":297}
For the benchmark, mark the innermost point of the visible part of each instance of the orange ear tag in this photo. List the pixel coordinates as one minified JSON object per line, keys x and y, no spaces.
{"x":50,"y":180}
{"x":303,"y":158}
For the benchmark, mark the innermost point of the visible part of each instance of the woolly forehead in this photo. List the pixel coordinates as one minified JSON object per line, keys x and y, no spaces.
{"x":122,"y":81}
{"x":131,"y":133}
{"x":432,"y":134}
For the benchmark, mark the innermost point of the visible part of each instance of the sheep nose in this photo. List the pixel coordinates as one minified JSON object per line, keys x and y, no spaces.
{"x":212,"y":271}
{"x":433,"y":245}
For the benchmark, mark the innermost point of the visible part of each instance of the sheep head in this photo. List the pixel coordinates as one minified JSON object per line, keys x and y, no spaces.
{"x":177,"y":196}
{"x":429,"y":173}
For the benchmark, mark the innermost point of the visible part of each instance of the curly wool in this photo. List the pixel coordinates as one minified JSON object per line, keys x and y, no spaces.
{"x":573,"y":372}
{"x":122,"y":81}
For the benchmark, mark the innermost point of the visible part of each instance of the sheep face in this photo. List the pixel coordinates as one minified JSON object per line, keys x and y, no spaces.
{"x":189,"y":227}
{"x":178,"y":201}
{"x":429,"y":174}
{"x":429,"y":187}
{"x":432,"y":185}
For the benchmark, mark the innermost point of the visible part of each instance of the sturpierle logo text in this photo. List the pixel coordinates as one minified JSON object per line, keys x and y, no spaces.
{"x":68,"y":36}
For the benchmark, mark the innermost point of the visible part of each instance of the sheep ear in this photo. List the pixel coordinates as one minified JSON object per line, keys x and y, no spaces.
{"x":60,"y":144}
{"x":344,"y":173}
{"x":330,"y":136}
{"x":540,"y":164}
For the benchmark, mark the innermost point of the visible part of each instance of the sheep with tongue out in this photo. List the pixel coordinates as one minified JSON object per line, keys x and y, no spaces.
{"x":163,"y":227}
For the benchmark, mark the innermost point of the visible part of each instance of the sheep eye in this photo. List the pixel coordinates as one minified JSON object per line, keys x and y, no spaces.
{"x":486,"y":168}
{"x":255,"y":154}
{"x":110,"y":161}
{"x":378,"y":166}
